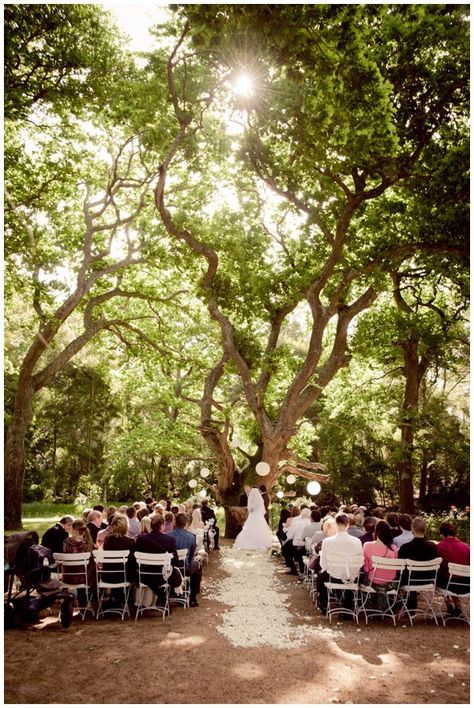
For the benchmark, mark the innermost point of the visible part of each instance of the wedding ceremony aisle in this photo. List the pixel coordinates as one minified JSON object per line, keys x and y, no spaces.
{"x":255,"y":638}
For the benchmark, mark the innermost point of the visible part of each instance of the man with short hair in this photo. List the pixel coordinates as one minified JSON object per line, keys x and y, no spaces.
{"x":95,"y":524}
{"x":206,"y":514}
{"x":341,"y":543}
{"x":294,"y":547}
{"x":404,"y":523}
{"x":352,"y":529}
{"x":54,"y":537}
{"x":186,"y":539}
{"x":418,"y":549}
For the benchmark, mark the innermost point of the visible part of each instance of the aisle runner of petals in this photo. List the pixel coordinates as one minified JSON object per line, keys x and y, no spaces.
{"x":259,"y":614}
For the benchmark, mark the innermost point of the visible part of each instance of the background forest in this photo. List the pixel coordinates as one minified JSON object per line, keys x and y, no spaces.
{"x":248,"y":244}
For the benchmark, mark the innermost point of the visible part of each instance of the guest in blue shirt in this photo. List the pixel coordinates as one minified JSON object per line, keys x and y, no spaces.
{"x":186,"y":539}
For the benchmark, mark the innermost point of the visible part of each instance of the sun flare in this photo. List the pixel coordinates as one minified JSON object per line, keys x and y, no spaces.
{"x":244,"y":86}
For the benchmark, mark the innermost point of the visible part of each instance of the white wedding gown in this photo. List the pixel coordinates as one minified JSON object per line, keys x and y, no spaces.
{"x":256,"y":534}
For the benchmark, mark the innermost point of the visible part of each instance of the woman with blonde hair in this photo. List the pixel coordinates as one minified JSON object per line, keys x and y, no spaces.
{"x":118,"y":540}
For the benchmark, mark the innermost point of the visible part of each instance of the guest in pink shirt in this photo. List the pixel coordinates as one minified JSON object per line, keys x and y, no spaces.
{"x":382,"y":546}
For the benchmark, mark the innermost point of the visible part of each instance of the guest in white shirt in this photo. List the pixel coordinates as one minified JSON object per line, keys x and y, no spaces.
{"x":294,"y":547}
{"x":342,"y":543}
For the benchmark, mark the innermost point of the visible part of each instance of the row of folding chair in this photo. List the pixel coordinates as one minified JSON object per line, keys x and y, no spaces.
{"x":412,"y":591}
{"x":111,"y":576}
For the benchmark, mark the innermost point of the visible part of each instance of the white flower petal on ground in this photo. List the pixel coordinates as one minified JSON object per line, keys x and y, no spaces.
{"x":258,"y":614}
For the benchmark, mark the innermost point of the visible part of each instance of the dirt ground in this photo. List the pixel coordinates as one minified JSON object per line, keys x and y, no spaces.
{"x":185,"y":660}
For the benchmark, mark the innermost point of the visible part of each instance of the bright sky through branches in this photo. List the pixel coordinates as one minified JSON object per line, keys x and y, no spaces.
{"x":243,"y":86}
{"x":136,"y":19}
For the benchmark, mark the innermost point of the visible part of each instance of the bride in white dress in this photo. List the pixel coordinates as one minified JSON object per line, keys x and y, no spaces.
{"x":256,"y":534}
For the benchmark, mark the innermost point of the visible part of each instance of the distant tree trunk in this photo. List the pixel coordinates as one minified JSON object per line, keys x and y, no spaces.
{"x":414,"y":371}
{"x":423,"y":478}
{"x":15,"y":453}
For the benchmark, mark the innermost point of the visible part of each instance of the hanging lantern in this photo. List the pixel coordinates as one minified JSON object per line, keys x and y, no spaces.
{"x":291,"y":479}
{"x":205,"y":472}
{"x":192,"y":483}
{"x":202,"y":493}
{"x":262,"y":468}
{"x":235,"y":443}
{"x":280,"y":495}
{"x":313,"y":488}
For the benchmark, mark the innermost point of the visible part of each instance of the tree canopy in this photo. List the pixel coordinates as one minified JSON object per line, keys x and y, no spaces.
{"x":232,"y":257}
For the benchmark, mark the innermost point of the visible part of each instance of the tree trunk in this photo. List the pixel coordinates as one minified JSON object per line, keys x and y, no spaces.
{"x":410,"y":407}
{"x":234,"y":519}
{"x":15,"y":454}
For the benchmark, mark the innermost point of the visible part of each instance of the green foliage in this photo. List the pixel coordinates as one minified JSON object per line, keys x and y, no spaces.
{"x":59,"y":56}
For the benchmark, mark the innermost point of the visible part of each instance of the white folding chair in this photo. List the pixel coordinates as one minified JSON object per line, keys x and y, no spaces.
{"x":154,"y":569}
{"x":381,"y":589}
{"x":421,"y":579}
{"x":111,"y":575}
{"x":458,"y":584}
{"x":343,"y":571}
{"x":74,"y":566}
{"x":184,"y":598}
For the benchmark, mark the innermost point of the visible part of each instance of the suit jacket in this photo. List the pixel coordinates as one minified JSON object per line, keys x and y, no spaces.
{"x":243,"y":499}
{"x":157,"y":542}
{"x":207,"y":513}
{"x":54,"y":538}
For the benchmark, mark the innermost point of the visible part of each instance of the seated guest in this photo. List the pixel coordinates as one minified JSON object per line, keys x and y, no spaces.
{"x":314,"y":525}
{"x":392,"y":520}
{"x":207,"y":514}
{"x":196,"y":520}
{"x":377,"y":512}
{"x":95,"y":524}
{"x":169,"y":522}
{"x":175,"y":510}
{"x":319,"y":536}
{"x":80,"y":541}
{"x":293,"y":549}
{"x":99,"y":507}
{"x":404,"y":524}
{"x":329,"y":529}
{"x":117,"y":540}
{"x":284,"y":516}
{"x":369,"y":527}
{"x":159,"y":542}
{"x":419,"y":549}
{"x":137,"y":506}
{"x":111,"y":511}
{"x":85,"y":514}
{"x":382,"y":546}
{"x":145,"y":524}
{"x":142,"y":513}
{"x":185,"y":539}
{"x":295,"y":512}
{"x":352,"y":529}
{"x":149,"y":504}
{"x":342,"y":542}
{"x":452,"y":550}
{"x":54,"y":537}
{"x":133,"y":523}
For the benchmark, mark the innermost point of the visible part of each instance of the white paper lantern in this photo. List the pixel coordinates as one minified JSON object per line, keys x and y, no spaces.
{"x":291,"y":479}
{"x":205,"y":472}
{"x":262,"y":468}
{"x":313,"y":488}
{"x":235,"y":442}
{"x":280,"y":495}
{"x":192,"y":483}
{"x":202,"y":493}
